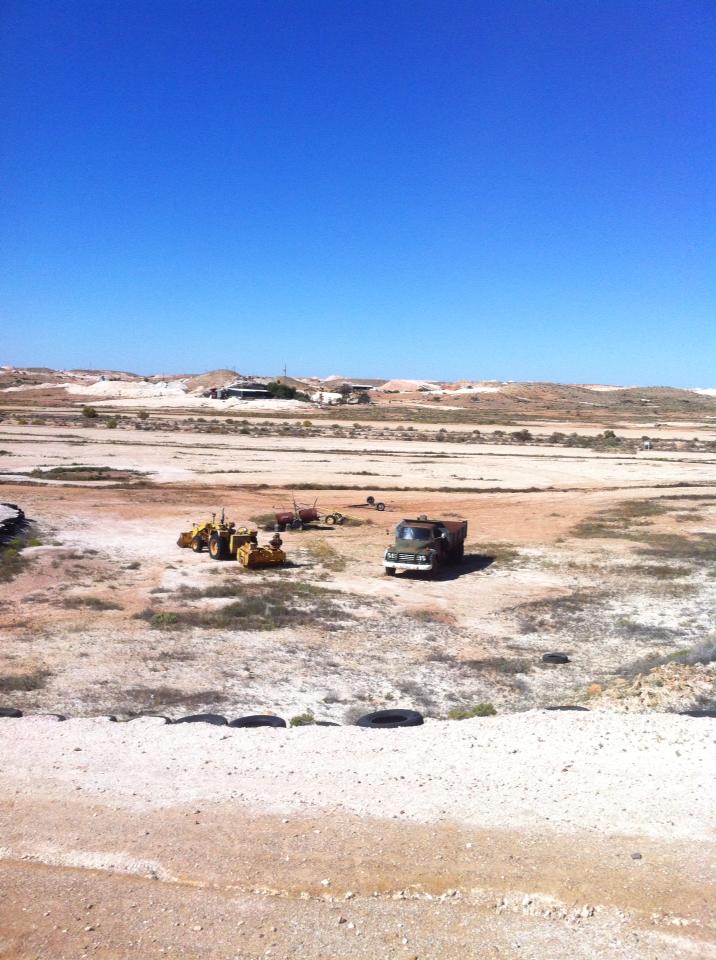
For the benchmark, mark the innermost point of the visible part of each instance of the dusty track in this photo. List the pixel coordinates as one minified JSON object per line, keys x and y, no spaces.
{"x":120,"y":853}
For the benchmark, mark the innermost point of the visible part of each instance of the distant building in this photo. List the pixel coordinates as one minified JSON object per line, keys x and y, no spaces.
{"x":244,"y":391}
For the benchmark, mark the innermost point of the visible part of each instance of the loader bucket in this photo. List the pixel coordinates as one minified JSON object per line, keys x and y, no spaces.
{"x":184,"y":539}
{"x":251,"y":555}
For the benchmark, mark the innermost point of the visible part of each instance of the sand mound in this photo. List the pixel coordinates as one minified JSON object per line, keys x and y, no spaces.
{"x":410,"y":386}
{"x":132,"y":389}
{"x":213,"y":378}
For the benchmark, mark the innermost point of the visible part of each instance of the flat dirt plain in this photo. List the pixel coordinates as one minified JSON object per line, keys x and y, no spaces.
{"x":507,"y":836}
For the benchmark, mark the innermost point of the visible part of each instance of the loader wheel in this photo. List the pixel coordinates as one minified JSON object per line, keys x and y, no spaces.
{"x":380,"y":506}
{"x":218,"y":549}
{"x":197,"y":544}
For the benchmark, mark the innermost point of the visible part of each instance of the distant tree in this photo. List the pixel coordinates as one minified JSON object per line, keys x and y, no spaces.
{"x":89,"y":412}
{"x":281,"y":391}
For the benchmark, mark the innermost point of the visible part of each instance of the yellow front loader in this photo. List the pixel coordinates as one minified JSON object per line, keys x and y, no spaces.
{"x":225,"y":542}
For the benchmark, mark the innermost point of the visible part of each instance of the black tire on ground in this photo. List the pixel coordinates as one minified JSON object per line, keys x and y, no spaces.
{"x":197,"y":544}
{"x":385,"y":719}
{"x":380,"y":506}
{"x":10,"y":712}
{"x":698,"y":713}
{"x":213,"y":718}
{"x":555,"y":658}
{"x":258,"y":720}
{"x":370,"y":500}
{"x":570,"y":706}
{"x":218,"y":548}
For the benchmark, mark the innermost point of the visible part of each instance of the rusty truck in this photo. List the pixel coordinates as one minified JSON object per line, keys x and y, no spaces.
{"x":425,"y":545}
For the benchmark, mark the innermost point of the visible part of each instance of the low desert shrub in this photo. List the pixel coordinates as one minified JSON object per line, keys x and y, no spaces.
{"x":466,"y":713}
{"x":302,"y":719}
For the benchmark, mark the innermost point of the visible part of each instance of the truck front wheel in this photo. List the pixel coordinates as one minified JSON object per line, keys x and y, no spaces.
{"x":389,"y":571}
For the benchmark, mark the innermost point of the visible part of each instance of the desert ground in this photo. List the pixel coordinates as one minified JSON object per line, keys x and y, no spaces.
{"x":528,"y":833}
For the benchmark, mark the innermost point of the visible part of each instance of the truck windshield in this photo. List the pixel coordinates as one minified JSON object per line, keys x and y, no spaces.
{"x":415,"y":533}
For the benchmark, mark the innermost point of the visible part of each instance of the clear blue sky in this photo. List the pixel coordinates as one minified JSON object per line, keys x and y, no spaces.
{"x":517,"y":189}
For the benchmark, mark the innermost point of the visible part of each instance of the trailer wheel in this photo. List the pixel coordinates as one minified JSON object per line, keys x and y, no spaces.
{"x":380,"y":506}
{"x":370,"y":501}
{"x":197,"y":544}
{"x":329,"y":519}
{"x":218,"y":548}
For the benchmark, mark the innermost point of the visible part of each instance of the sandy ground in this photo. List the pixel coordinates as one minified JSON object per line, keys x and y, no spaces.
{"x":365,"y":462}
{"x":475,"y":635}
{"x":429,"y":842}
{"x":510,"y":836}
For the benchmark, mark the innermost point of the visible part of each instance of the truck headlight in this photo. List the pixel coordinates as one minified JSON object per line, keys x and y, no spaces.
{"x":421,"y":558}
{"x":390,"y":556}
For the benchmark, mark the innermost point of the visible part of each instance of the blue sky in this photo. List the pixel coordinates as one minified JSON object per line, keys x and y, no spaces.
{"x":512,"y":189}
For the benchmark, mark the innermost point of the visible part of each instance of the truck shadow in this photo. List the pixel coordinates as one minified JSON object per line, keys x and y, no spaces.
{"x":472,"y":563}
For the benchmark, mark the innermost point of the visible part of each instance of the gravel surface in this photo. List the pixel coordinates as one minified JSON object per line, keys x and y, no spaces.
{"x":601,"y":773}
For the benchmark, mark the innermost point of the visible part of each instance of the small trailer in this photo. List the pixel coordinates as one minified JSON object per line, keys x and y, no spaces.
{"x":301,"y":515}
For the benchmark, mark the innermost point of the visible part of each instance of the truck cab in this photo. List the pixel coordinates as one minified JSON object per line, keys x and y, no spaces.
{"x":425,"y":545}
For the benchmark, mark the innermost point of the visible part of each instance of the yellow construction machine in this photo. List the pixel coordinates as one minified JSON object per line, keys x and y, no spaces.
{"x":225,"y":541}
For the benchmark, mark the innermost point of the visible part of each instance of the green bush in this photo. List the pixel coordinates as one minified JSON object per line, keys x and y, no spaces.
{"x":479,"y":710}
{"x":281,"y":391}
{"x":142,"y":414}
{"x":112,"y":423}
{"x":90,"y":413}
{"x":302,"y":719}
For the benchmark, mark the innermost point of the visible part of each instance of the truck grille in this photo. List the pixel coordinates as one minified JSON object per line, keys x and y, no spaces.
{"x":406,"y":558}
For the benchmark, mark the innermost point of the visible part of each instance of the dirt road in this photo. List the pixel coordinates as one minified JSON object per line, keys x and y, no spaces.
{"x":433,"y":842}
